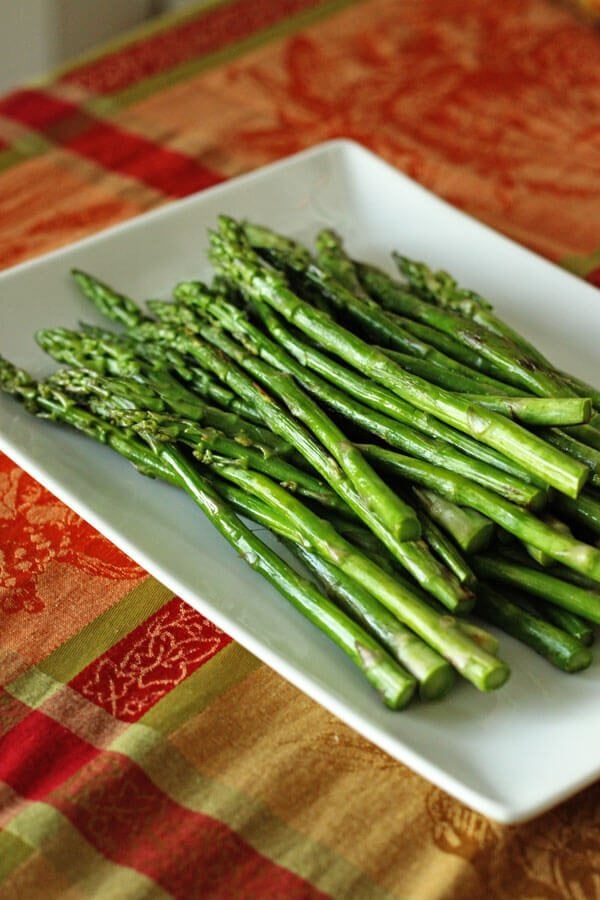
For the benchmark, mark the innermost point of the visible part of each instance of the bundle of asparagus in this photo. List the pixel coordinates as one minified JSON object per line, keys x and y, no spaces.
{"x":424,"y":462}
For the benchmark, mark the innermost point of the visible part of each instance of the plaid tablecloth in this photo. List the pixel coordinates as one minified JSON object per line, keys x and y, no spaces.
{"x":142,"y":752}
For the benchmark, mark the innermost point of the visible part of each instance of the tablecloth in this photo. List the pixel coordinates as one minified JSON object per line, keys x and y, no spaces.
{"x":142,"y":752}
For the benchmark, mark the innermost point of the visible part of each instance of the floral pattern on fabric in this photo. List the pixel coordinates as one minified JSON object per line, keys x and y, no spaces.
{"x":37,"y":531}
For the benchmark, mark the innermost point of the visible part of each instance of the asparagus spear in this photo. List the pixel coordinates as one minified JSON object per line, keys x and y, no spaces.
{"x":573,"y":624}
{"x":446,"y":550}
{"x":440,"y":288}
{"x":383,"y":326}
{"x":434,"y":675}
{"x":459,"y":378}
{"x":392,"y":681}
{"x":332,"y":258}
{"x":118,"y":308}
{"x":567,"y":621}
{"x":471,"y":531}
{"x":116,"y":354}
{"x":129,"y":394}
{"x":387,"y":429}
{"x":538,"y":410}
{"x":540,"y":584}
{"x":380,"y":399}
{"x":517,"y":365}
{"x":109,"y":302}
{"x":206,"y":441}
{"x":562,"y":547}
{"x":235,"y":258}
{"x":588,"y":433}
{"x":394,"y":514}
{"x":440,"y":631}
{"x":589,"y":456}
{"x":470,"y":361}
{"x":414,"y":555}
{"x":585,"y":509}
{"x":394,"y":684}
{"x":560,"y":648}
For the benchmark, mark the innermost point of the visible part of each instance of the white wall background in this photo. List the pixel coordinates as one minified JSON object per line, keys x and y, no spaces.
{"x":38,"y":35}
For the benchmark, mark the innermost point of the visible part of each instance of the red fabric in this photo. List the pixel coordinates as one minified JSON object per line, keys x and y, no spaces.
{"x":37,"y":532}
{"x":218,"y":28}
{"x":35,"y":109}
{"x":167,"y":170}
{"x":110,"y":146}
{"x":150,"y":661}
{"x":38,"y":754}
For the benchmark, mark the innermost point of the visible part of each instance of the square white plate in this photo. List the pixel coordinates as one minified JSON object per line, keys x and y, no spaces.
{"x":509,"y":755}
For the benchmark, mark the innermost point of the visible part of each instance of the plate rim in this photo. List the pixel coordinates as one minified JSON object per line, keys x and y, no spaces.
{"x":502,"y":811}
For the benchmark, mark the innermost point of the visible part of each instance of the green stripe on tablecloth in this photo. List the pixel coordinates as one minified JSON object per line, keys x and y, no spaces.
{"x":230,"y":666}
{"x":11,"y":157}
{"x":13,"y":851}
{"x":101,"y":634}
{"x":582,"y":265}
{"x":285,"y":27}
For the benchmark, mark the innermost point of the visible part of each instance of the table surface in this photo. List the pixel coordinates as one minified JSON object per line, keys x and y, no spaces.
{"x":142,"y":752}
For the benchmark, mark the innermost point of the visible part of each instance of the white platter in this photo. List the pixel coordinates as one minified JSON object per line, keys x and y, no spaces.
{"x":509,"y":755}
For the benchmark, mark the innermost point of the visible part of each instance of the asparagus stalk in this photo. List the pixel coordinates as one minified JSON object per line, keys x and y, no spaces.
{"x":585,"y":510}
{"x":380,"y":399}
{"x":372,"y":319}
{"x":468,"y":360}
{"x":110,"y":354}
{"x":562,"y":618}
{"x":405,"y":438}
{"x":414,"y":555}
{"x":393,"y":682}
{"x":439,"y":631}
{"x":517,"y":365}
{"x":485,"y":639}
{"x":446,"y":550}
{"x":582,"y":388}
{"x":206,"y":441}
{"x":434,"y":675}
{"x":127,"y":394}
{"x":332,"y":257}
{"x":459,"y":377}
{"x":588,"y":434}
{"x":526,"y":527}
{"x":235,"y":258}
{"x":440,"y":288}
{"x":117,"y":307}
{"x":540,"y":584}
{"x":538,"y":410}
{"x":567,"y":621}
{"x":540,"y":556}
{"x":471,"y":531}
{"x":394,"y":514}
{"x":395,"y":685}
{"x":567,"y":443}
{"x":561,"y":649}
{"x":399,"y":518}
